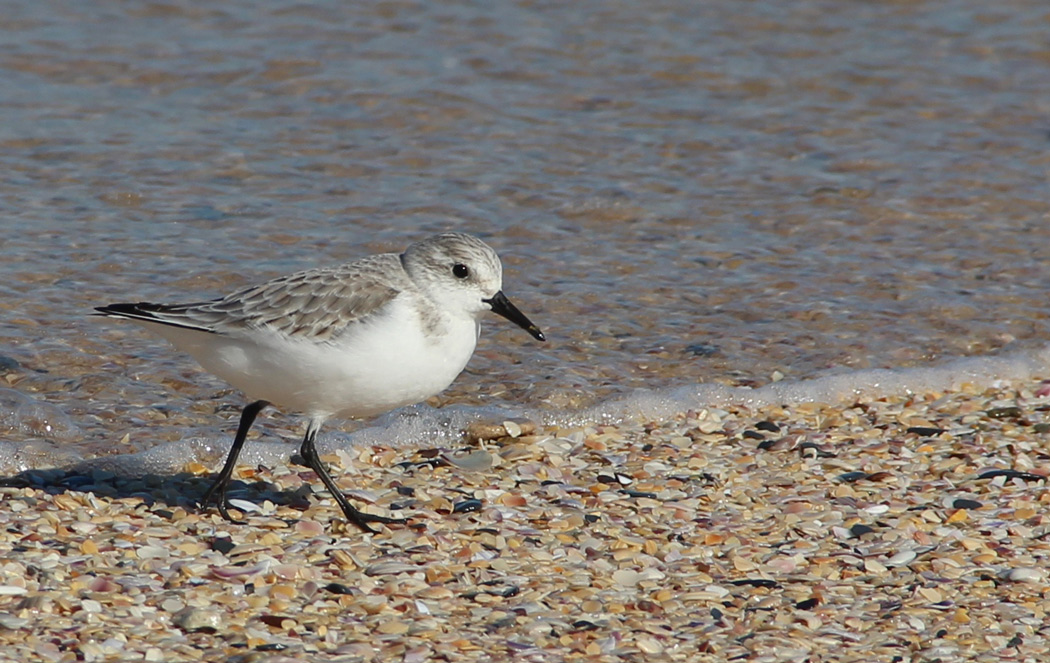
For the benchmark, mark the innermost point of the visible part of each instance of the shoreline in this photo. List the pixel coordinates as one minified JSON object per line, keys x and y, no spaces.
{"x":447,"y":426}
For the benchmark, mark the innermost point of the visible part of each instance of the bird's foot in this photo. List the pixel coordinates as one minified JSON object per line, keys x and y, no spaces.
{"x":217,"y":495}
{"x":362,"y":519}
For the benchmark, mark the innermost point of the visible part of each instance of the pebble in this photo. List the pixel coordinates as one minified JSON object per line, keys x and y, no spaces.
{"x":626,"y":577}
{"x":649,"y":645}
{"x":245,"y":506}
{"x":859,"y":530}
{"x":393,"y":627}
{"x":467,"y":506}
{"x":197,"y":619}
{"x":477,"y":461}
{"x":874,"y":566}
{"x":512,"y":428}
{"x":12,"y":622}
{"x":1026,"y":574}
{"x":151,"y":552}
{"x":902,"y":558}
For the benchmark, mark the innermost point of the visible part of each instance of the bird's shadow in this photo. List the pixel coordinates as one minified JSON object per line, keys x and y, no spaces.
{"x":181,"y":490}
{"x":161,"y":493}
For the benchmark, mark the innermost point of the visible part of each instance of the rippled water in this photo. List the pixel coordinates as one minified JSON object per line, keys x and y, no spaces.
{"x":719,"y":192}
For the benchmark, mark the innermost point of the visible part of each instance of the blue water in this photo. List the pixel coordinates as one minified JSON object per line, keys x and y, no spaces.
{"x":725,"y":193}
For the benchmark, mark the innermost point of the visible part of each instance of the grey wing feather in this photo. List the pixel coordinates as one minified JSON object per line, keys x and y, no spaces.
{"x":316,"y":304}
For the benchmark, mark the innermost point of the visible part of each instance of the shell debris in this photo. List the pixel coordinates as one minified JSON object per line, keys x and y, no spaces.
{"x":912,"y":527}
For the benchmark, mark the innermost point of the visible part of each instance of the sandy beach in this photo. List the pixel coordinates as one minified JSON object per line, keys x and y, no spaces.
{"x":896,"y":529}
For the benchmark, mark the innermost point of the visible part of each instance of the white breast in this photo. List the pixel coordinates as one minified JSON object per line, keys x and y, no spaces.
{"x":378,"y":365}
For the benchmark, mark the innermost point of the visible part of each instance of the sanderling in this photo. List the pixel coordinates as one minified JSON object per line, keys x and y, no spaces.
{"x":350,"y":341}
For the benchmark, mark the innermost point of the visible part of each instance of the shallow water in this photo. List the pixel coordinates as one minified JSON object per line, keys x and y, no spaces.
{"x":725,"y":194}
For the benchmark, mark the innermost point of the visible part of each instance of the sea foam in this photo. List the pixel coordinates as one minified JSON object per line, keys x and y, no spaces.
{"x":425,"y":426}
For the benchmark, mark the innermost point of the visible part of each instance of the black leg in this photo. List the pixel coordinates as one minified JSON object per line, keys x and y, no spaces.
{"x":218,"y":489}
{"x":359,"y":518}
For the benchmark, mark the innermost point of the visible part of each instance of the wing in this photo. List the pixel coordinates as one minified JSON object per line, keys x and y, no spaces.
{"x":316,"y":304}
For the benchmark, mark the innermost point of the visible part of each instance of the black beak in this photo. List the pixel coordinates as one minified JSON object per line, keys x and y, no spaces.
{"x":502,"y":306}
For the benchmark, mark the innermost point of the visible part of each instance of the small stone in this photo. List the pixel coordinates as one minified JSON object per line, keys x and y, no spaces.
{"x":245,"y":506}
{"x":1011,"y":474}
{"x":902,"y":558}
{"x":873,"y":566}
{"x":477,"y":461}
{"x":511,"y":500}
{"x":391,"y":567}
{"x":649,"y":645}
{"x":860,"y":530}
{"x":151,"y":552}
{"x":337,"y":588}
{"x":1004,"y":413}
{"x":309,"y":528}
{"x":851,"y":477}
{"x":223,"y":545}
{"x":393,"y":627}
{"x":11,"y":622}
{"x":808,"y":604}
{"x":931,"y":594}
{"x":197,"y":619}
{"x":283,"y":622}
{"x":1026,"y":574}
{"x":479,"y":431}
{"x":512,"y":428}
{"x":467,"y":506}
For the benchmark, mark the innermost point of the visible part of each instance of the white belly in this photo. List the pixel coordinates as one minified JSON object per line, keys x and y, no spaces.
{"x":376,"y":368}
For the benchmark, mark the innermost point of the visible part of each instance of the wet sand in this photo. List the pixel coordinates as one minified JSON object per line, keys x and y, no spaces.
{"x":901,"y":528}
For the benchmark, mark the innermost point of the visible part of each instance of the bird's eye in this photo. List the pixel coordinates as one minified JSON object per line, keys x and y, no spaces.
{"x":460,"y":271}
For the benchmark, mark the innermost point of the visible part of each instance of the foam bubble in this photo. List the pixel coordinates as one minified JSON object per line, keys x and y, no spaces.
{"x":423,"y":425}
{"x":18,"y":457}
{"x":981,"y":372}
{"x":25,"y":415}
